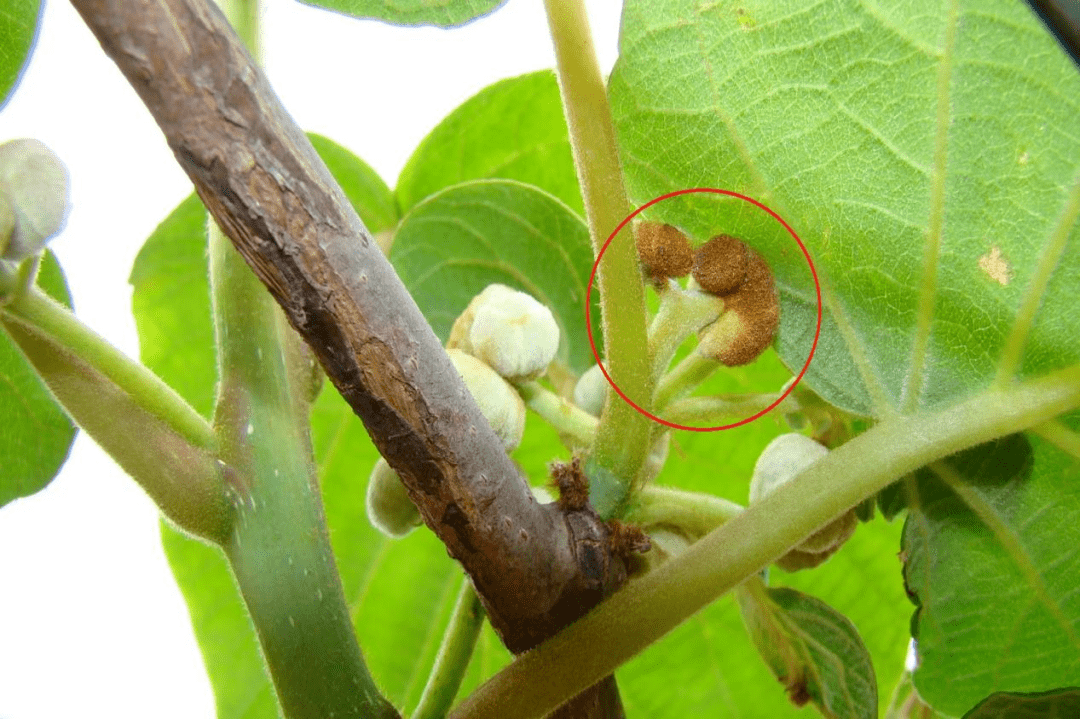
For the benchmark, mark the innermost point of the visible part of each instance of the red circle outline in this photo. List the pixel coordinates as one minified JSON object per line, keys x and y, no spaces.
{"x":592,"y":280}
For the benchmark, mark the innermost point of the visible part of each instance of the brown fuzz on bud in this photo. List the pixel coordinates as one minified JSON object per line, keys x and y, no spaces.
{"x":750,"y":319}
{"x":720,"y":264}
{"x":664,"y":251}
{"x":569,"y":478}
{"x":627,"y":539}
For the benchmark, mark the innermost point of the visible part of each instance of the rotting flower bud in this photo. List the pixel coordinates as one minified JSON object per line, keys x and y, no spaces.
{"x":500,"y":403}
{"x":720,"y":265}
{"x":513,"y":333}
{"x":591,"y":390}
{"x":35,"y":184}
{"x":750,"y":319}
{"x":388,"y":505}
{"x":784,"y":458}
{"x":664,"y":250}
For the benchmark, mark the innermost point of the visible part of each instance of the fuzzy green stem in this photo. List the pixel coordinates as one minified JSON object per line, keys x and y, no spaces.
{"x":684,"y":378}
{"x":713,"y":410}
{"x":37,"y":310}
{"x":680,"y":315}
{"x":648,"y":608}
{"x":694,"y":513}
{"x":564,"y":416}
{"x":280,"y":549}
{"x":457,"y":647}
{"x":621,"y":442}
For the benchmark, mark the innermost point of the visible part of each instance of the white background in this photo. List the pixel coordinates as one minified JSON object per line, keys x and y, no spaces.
{"x":91,"y":622}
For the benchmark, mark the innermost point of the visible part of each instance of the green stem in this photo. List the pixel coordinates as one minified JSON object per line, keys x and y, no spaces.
{"x":645,"y":610}
{"x":681,"y":314}
{"x":712,"y":410}
{"x":694,"y":513}
{"x":280,"y":549}
{"x":37,"y":310}
{"x":564,"y":416}
{"x":457,"y":647}
{"x":622,"y":439}
{"x":683,"y":379}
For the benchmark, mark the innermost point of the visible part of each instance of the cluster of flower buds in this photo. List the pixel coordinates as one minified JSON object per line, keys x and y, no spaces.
{"x":33,"y":198}
{"x":504,"y":336}
{"x":780,"y":462}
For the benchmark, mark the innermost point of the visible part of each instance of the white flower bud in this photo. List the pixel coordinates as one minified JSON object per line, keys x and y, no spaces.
{"x":591,"y":390}
{"x":500,"y":403}
{"x":388,"y":505}
{"x":783,"y":459}
{"x":35,"y":184}
{"x":513,"y":333}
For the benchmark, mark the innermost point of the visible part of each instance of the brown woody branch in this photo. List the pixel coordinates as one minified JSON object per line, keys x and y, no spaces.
{"x":536,"y":567}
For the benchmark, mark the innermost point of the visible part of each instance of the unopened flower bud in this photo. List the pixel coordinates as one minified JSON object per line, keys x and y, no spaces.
{"x":513,"y":333}
{"x":591,"y":390}
{"x":783,"y":459}
{"x":750,"y":319}
{"x":720,"y":265}
{"x":500,"y":403}
{"x":388,"y":505}
{"x":35,"y":184}
{"x":664,"y":250}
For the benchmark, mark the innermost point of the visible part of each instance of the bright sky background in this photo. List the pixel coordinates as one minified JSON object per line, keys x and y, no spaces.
{"x":91,"y":622}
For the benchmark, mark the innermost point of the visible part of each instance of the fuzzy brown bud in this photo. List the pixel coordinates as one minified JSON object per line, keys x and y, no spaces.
{"x":663,"y":249}
{"x":750,"y":319}
{"x":720,"y":264}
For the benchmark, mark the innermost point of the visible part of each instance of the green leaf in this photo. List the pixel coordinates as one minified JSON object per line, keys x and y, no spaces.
{"x":35,"y":433}
{"x":18,"y":31}
{"x":367,"y":192}
{"x":171,"y":304}
{"x":514,"y":129}
{"x":929,"y":159}
{"x":991,"y":563}
{"x":441,"y":13}
{"x":451,"y":246}
{"x":812,"y":649}
{"x":1060,"y":704}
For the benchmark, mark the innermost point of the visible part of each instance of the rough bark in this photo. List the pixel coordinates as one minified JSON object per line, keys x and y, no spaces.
{"x":537,"y":568}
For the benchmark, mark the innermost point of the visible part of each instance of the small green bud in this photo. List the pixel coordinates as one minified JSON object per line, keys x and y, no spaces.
{"x":499,"y":402}
{"x":784,"y":458}
{"x":591,"y":390}
{"x":35,"y":184}
{"x":388,"y":505}
{"x":513,"y":333}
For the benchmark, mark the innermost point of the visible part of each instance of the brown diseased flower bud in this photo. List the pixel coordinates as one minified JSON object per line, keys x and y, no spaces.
{"x":750,"y":319}
{"x":720,"y":264}
{"x":664,"y":251}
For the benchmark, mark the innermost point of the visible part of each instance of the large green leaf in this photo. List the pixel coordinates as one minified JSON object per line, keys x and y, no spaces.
{"x":514,"y":129}
{"x":928,"y":155}
{"x":1062,"y":704}
{"x":18,"y":27}
{"x":991,"y":545}
{"x":812,"y":649}
{"x":35,"y":433}
{"x":442,"y":13}
{"x":457,"y":242}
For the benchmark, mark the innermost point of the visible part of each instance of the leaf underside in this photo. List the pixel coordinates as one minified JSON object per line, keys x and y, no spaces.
{"x":440,"y":13}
